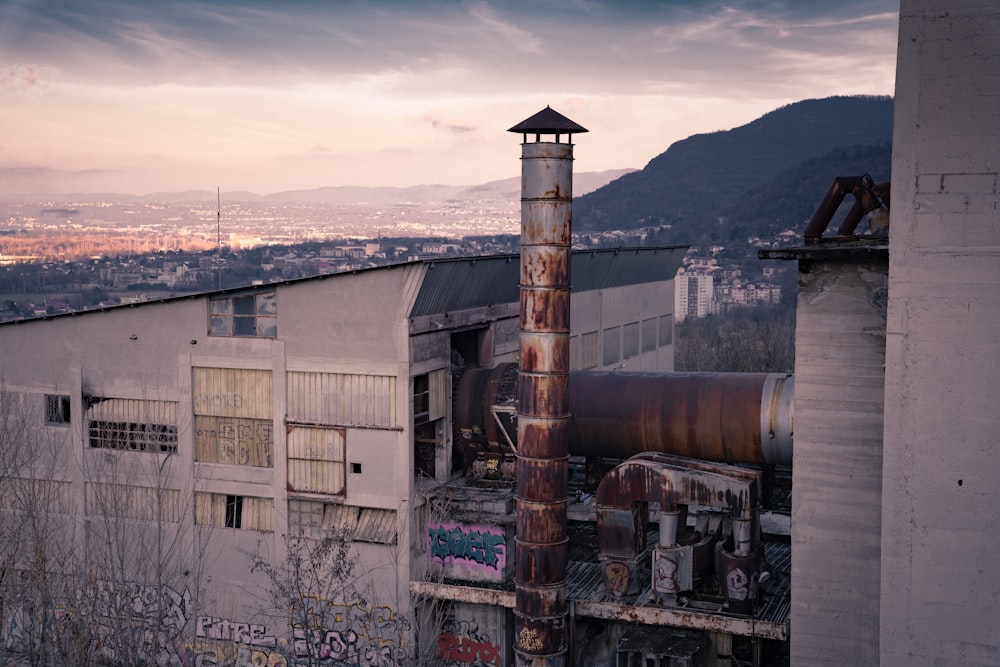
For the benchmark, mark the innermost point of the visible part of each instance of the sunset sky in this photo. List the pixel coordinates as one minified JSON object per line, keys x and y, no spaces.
{"x":138,"y":97}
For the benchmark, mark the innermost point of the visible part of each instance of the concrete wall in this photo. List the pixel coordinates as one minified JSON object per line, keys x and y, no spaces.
{"x":599,"y":310}
{"x":836,"y":476}
{"x":148,"y":353}
{"x":940,"y":597}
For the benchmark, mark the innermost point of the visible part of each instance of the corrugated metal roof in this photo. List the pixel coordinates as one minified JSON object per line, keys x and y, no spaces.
{"x":469,"y":282}
{"x":452,"y":285}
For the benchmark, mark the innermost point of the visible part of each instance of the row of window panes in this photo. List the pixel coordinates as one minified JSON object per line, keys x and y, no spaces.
{"x":618,"y":343}
{"x":133,"y":437}
{"x":247,"y":315}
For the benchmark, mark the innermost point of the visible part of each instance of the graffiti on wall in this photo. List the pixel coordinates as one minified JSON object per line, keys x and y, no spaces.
{"x":251,"y":634}
{"x":346,"y":635}
{"x":356,"y":634}
{"x":462,"y":642}
{"x":476,"y":545}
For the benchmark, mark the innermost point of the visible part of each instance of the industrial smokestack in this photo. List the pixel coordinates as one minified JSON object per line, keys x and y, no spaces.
{"x":540,"y":609}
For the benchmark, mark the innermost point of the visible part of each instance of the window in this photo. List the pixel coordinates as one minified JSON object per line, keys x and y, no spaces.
{"x":134,"y":437}
{"x":611,"y":346}
{"x":316,"y":459}
{"x":141,"y":503}
{"x":250,"y":314}
{"x":57,"y":409}
{"x":666,"y":330}
{"x":590,"y":346}
{"x":630,"y":340}
{"x":232,"y":416}
{"x":234,"y":511}
{"x":129,"y":424}
{"x":649,"y":335}
{"x":429,"y":409}
{"x":311,"y":518}
{"x":220,"y":510}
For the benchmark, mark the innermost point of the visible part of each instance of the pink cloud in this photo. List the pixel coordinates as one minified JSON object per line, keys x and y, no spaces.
{"x":27,"y":77}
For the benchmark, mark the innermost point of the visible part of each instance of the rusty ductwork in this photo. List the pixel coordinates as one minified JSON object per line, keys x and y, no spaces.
{"x":869,"y":197}
{"x":726,"y":417}
{"x":542,"y":399}
{"x":665,"y":486}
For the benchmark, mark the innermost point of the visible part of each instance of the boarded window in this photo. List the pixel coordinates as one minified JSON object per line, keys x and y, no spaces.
{"x":630,"y":340}
{"x":132,"y":424}
{"x":233,"y":421}
{"x":141,"y":503}
{"x":666,"y":330}
{"x":316,"y":459}
{"x":248,"y":314}
{"x":18,"y":493}
{"x":248,"y":442}
{"x":590,"y":348}
{"x":220,"y":510}
{"x":649,"y":340}
{"x":342,"y":399}
{"x":611,"y":343}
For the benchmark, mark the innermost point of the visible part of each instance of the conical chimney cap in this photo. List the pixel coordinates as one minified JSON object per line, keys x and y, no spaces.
{"x":547,"y":121}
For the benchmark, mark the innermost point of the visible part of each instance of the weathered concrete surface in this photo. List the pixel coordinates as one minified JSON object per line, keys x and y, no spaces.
{"x":940,"y":595}
{"x":837,"y":470}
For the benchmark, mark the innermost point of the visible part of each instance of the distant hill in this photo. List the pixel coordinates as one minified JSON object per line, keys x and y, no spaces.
{"x":697,"y":180}
{"x":583,"y":183}
{"x":789,"y":200}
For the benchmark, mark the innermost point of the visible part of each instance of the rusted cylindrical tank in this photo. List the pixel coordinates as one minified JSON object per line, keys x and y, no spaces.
{"x":726,"y":417}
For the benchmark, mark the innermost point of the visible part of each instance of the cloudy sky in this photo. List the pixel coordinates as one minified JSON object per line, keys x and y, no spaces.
{"x":269,"y":95}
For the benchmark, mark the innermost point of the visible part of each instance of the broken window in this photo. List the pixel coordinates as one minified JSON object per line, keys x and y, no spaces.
{"x":221,"y":510}
{"x":57,"y":409}
{"x":253,"y":314}
{"x":429,"y":409}
{"x":310,"y":518}
{"x":136,"y":425}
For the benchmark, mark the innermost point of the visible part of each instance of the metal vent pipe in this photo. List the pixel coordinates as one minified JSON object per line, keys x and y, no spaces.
{"x":540,"y":608}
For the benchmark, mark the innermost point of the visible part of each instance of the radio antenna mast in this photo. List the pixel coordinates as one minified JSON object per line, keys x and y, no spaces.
{"x":218,"y":234}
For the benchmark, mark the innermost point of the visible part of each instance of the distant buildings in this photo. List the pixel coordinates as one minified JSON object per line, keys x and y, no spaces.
{"x":705,"y":288}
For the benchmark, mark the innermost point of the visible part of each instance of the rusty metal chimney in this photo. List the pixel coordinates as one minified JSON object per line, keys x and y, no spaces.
{"x":540,"y":609}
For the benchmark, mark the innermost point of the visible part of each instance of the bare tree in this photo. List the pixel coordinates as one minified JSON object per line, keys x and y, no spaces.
{"x":743,"y":340}
{"x":38,"y":560}
{"x":113,"y":587}
{"x":315,"y":576}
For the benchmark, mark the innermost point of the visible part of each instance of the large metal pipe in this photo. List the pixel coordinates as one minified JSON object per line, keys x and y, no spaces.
{"x":540,"y":608}
{"x":725,"y":417}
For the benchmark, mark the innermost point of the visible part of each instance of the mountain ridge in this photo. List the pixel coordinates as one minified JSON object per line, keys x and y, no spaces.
{"x":692,"y":182}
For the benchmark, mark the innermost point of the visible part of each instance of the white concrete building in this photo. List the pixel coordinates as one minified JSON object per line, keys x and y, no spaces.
{"x":222,"y":422}
{"x":695,"y":295}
